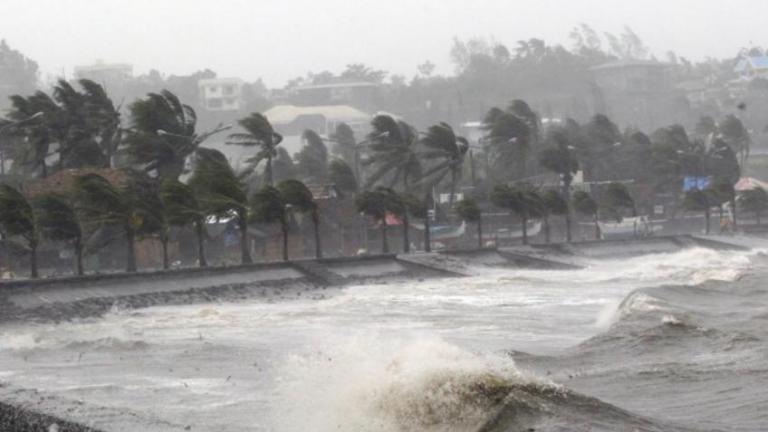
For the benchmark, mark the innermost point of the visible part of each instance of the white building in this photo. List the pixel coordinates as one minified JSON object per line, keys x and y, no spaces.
{"x":221,"y":94}
{"x":110,"y":75}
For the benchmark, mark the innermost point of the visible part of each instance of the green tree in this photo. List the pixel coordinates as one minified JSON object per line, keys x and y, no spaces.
{"x":312,"y":159}
{"x":698,"y":200}
{"x":734,"y":133}
{"x":299,"y":198}
{"x":508,"y":141}
{"x":584,"y":204}
{"x":616,"y":198}
{"x":419,"y":208}
{"x":553,"y":203}
{"x":447,"y":151}
{"x":37,"y":133}
{"x":345,"y":146}
{"x":130,"y":206}
{"x":283,"y":167}
{"x":163,"y":134}
{"x":560,"y":159}
{"x":376,"y":204}
{"x":393,"y":152}
{"x":468,"y":210}
{"x":520,"y":199}
{"x":183,"y":208}
{"x":341,"y":175}
{"x":18,"y":219}
{"x":58,"y":220}
{"x":258,"y":133}
{"x":722,"y":190}
{"x":754,"y":200}
{"x":221,"y":193}
{"x":268,"y":206}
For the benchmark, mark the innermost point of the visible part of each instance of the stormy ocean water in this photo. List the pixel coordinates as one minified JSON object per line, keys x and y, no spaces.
{"x":672,"y":341}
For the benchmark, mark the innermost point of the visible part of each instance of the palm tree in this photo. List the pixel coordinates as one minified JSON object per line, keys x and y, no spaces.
{"x":553,"y":203}
{"x":38,"y":136}
{"x":448,"y":150}
{"x":559,"y":159}
{"x":182,"y":208}
{"x":698,"y":200}
{"x":754,"y":200}
{"x":258,"y":133}
{"x":468,"y":210}
{"x":132,"y":206}
{"x":724,"y":191}
{"x":221,"y":193}
{"x":418,"y":208}
{"x":520,"y":199}
{"x":58,"y":220}
{"x":392,"y":152}
{"x":268,"y":206}
{"x":163,"y":134}
{"x":376,"y":204}
{"x":103,"y":117}
{"x":17,"y":218}
{"x":345,"y":146}
{"x":298,"y":197}
{"x":312,"y":159}
{"x":507,"y":141}
{"x":584,"y":204}
{"x":342,"y":176}
{"x":615,"y":198}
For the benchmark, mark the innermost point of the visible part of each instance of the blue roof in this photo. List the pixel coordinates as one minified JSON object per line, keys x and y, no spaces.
{"x":759,"y":62}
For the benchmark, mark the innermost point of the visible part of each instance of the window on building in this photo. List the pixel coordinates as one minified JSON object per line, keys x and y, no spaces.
{"x":214,"y":103}
{"x":229,"y":89}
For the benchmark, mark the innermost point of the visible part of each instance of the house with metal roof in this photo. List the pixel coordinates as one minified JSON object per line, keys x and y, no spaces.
{"x":752,"y":67}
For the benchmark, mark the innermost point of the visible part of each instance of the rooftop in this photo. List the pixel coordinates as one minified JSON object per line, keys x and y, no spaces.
{"x":286,"y":114}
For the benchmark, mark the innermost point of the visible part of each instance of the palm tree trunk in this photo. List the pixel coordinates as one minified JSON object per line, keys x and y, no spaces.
{"x":706,"y":220}
{"x":525,"y":230}
{"x":318,"y":246}
{"x":200,"y":232}
{"x":567,"y":197}
{"x":245,"y":248}
{"x":164,"y":243}
{"x":720,"y":209}
{"x":284,"y":226}
{"x":597,"y":228}
{"x":384,"y":240}
{"x":480,"y":233}
{"x":406,"y":234}
{"x":268,"y":170}
{"x":427,"y":235}
{"x":33,"y":260}
{"x":452,"y":196}
{"x":733,"y":211}
{"x":79,"y":255}
{"x":130,"y":237}
{"x":546,"y":230}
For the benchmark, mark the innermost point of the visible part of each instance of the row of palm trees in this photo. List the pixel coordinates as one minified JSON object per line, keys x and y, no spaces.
{"x":139,"y":206}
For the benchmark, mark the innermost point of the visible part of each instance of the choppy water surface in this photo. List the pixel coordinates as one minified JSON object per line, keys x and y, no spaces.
{"x":677,"y":340}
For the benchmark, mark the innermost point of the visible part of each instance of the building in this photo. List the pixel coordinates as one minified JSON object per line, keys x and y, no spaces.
{"x":752,"y":67}
{"x":110,"y":75}
{"x":363,"y":95}
{"x":221,"y":94}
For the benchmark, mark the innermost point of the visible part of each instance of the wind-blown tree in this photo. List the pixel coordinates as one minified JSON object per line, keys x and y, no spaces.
{"x":616,"y":198}
{"x":468,"y":210}
{"x":754,"y":200}
{"x":733,"y":132}
{"x":182,"y":208}
{"x":35,"y":112}
{"x":130,"y":206}
{"x":75,"y":130}
{"x":553,"y":204}
{"x":258,"y":133}
{"x":341,"y":175}
{"x":345,"y":146}
{"x":268,"y":206}
{"x":585,"y":205}
{"x":283,"y":167}
{"x":392,"y":152}
{"x":520,"y":199}
{"x":447,"y":151}
{"x":163,"y":134}
{"x":221,"y":193}
{"x":312,"y":159}
{"x":559,"y":159}
{"x":103,"y":117}
{"x":508,"y":141}
{"x":376,"y":204}
{"x":598,"y":151}
{"x":522,"y":110}
{"x":698,"y":200}
{"x":58,"y":220}
{"x":18,"y":219}
{"x":722,"y":161}
{"x":299,"y":198}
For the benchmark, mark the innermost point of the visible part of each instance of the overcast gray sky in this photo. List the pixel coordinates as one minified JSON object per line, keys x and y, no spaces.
{"x":281,"y":39}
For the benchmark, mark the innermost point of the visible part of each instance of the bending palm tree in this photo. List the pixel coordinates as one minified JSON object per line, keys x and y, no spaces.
{"x":59,"y":221}
{"x":183,"y":208}
{"x":393,"y":152}
{"x":18,"y":219}
{"x":221,"y":193}
{"x":268,"y":206}
{"x":449,"y":151}
{"x":258,"y":133}
{"x":298,"y":196}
